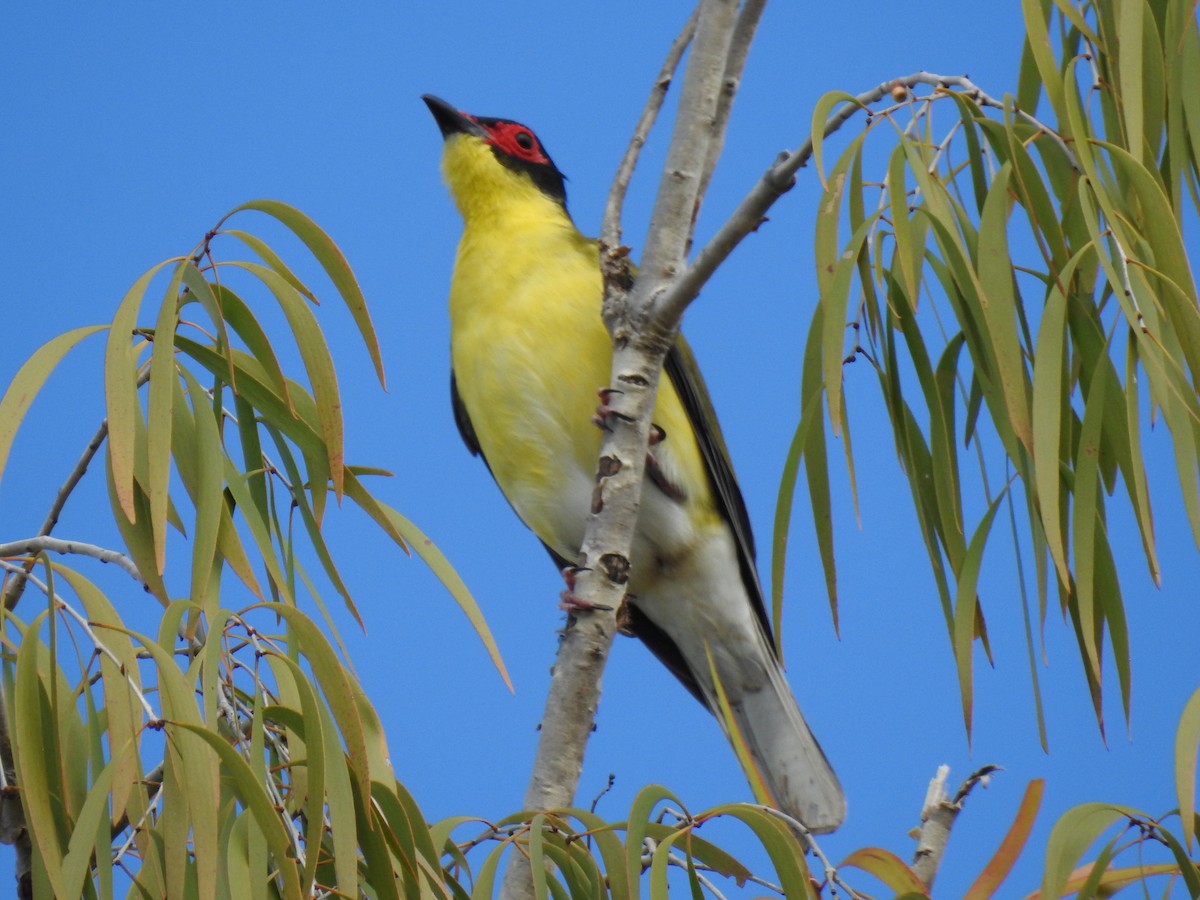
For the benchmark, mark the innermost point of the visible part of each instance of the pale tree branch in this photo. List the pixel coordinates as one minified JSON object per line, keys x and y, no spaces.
{"x":739,"y":50}
{"x":938,"y":815}
{"x":35,"y":545}
{"x":640,"y":346}
{"x":610,"y":229}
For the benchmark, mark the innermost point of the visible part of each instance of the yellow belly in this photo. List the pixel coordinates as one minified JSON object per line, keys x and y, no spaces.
{"x":529,"y":353}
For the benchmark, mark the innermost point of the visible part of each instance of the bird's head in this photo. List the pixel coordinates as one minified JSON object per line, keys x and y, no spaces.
{"x":494,"y":164}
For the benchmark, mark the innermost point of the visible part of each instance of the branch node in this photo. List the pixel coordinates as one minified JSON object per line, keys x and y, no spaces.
{"x":615,"y":567}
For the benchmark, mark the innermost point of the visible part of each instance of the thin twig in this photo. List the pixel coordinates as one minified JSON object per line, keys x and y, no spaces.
{"x":610,"y":229}
{"x":152,"y":717}
{"x":780,"y":176}
{"x":14,"y":587}
{"x":44,"y":543}
{"x":809,"y":841}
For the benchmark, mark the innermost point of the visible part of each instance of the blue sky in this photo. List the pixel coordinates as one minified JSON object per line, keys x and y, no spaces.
{"x":129,"y":132}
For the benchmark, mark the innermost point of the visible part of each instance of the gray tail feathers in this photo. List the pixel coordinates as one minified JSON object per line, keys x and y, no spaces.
{"x":788,"y":757}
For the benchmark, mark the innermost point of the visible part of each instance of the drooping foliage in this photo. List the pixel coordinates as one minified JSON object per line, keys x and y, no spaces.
{"x":1017,"y":280}
{"x":1016,"y":277}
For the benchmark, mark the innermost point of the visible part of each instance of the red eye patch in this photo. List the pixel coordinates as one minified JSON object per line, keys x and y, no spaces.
{"x":518,"y":141}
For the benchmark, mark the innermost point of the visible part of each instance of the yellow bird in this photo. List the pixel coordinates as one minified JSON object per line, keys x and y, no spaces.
{"x":528,"y":353}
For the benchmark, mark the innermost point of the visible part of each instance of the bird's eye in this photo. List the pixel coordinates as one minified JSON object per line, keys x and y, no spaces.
{"x":524,"y":140}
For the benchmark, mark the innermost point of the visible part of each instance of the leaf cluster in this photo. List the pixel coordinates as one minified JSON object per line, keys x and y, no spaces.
{"x":1021,"y":289}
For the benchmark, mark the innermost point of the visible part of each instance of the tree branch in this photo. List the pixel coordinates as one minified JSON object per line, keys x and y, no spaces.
{"x":739,"y":49}
{"x":938,"y":815}
{"x":14,"y":587}
{"x":780,"y":176}
{"x":35,"y":545}
{"x":641,"y":341}
{"x":610,"y":228}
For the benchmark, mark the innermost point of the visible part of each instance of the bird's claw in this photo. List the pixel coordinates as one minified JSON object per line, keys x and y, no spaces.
{"x":604,"y":412}
{"x":571,"y":601}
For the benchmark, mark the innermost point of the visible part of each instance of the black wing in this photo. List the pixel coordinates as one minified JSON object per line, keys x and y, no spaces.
{"x":681,"y":368}
{"x":463,"y":421}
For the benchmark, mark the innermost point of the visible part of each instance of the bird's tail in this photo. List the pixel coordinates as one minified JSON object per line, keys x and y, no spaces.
{"x":788,"y":759}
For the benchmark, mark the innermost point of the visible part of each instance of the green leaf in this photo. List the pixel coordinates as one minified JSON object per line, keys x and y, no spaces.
{"x":313,"y":527}
{"x":833,"y":340}
{"x":1135,"y":473}
{"x":121,"y":679}
{"x":259,"y":529}
{"x":1072,"y":834}
{"x":291,"y":414}
{"x":1086,"y":523}
{"x":84,"y":846}
{"x":1130,"y":71}
{"x":334,"y":263}
{"x":272,"y":259}
{"x":257,"y":800}
{"x":1184,"y":865}
{"x":640,"y":812}
{"x":1049,"y":400}
{"x":887,"y":867}
{"x":136,"y":537}
{"x":158,"y":424}
{"x":240,"y":318}
{"x":318,"y":363}
{"x":908,"y":252}
{"x":816,"y":470}
{"x":999,"y":302}
{"x":29,"y":380}
{"x":819,"y":499}
{"x":340,"y":694}
{"x":1187,"y":740}
{"x":821,"y":111}
{"x":660,"y":862}
{"x":344,"y":819}
{"x":408,"y":535}
{"x":966,"y":609}
{"x":209,"y":496}
{"x":120,"y":391}
{"x":781,"y":844}
{"x":33,"y":763}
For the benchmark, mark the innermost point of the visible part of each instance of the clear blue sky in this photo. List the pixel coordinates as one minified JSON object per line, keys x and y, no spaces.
{"x":128,"y":134}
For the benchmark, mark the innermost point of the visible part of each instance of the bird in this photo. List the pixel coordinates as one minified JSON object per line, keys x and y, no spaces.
{"x":528,"y":353}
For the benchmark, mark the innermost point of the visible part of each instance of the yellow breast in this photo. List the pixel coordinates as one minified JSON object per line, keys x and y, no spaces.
{"x":529,"y":352}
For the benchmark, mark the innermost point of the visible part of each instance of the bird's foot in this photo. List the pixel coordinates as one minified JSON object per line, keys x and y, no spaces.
{"x":604,"y":412}
{"x":569,"y":600}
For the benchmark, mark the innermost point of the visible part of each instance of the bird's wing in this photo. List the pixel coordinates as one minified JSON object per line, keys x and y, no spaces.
{"x":681,"y":368}
{"x":463,"y":420}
